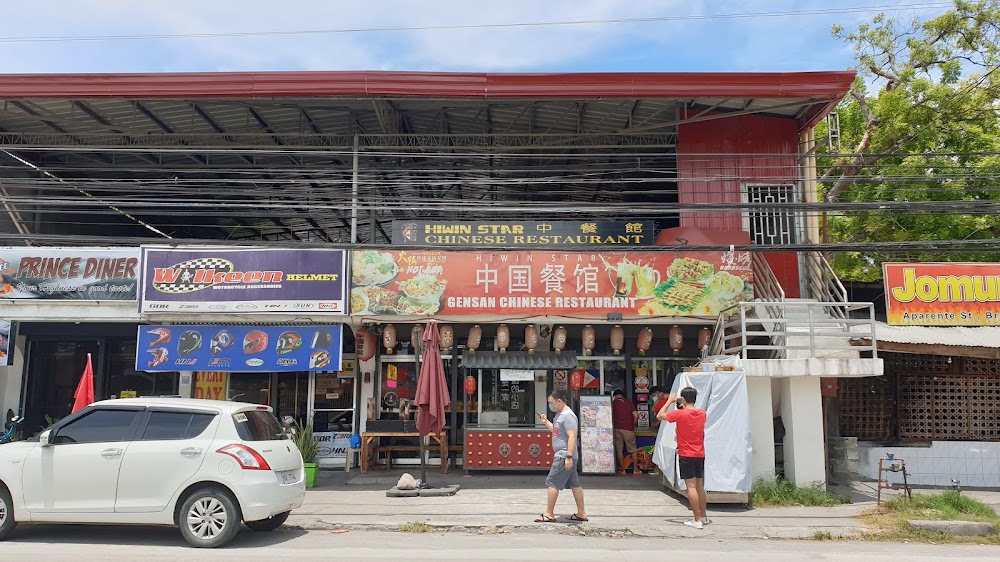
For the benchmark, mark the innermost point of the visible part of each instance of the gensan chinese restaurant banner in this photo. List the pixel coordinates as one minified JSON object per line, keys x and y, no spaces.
{"x":942,"y":294}
{"x":90,"y":274}
{"x":257,"y":280}
{"x":634,"y":284}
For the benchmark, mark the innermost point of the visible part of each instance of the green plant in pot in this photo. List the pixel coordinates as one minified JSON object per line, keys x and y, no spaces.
{"x":307,"y":447}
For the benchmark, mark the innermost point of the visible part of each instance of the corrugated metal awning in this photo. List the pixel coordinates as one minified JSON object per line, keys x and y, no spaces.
{"x":956,"y":336}
{"x":548,"y":360}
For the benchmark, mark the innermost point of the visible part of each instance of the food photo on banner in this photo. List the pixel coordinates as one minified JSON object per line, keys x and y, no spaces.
{"x":432,"y":282}
{"x":93,"y":274}
{"x":243,"y":349}
{"x":240,"y":280}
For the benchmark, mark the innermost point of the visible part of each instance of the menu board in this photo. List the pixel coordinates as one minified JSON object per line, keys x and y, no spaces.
{"x":597,"y":435}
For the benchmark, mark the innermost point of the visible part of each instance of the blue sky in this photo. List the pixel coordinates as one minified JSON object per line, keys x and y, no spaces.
{"x":787,"y":43}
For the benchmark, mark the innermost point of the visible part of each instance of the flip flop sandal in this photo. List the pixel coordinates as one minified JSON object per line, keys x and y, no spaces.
{"x":545,"y":519}
{"x":577,"y":518}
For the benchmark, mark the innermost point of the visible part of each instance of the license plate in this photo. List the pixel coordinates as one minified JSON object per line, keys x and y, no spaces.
{"x":288,"y":476}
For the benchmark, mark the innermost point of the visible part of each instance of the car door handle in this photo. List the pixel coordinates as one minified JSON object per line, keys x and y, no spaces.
{"x":111,"y":453}
{"x":191,"y":452}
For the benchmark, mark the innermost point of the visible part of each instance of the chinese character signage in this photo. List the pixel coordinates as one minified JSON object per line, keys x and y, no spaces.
{"x":240,"y":280}
{"x":90,"y":274}
{"x":523,"y":233}
{"x":942,"y":294}
{"x":423,"y":283}
{"x":244,"y":349}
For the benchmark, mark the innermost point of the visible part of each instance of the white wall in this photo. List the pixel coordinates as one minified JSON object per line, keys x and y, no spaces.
{"x":802,"y":415}
{"x":761,"y":427}
{"x":975,"y":463}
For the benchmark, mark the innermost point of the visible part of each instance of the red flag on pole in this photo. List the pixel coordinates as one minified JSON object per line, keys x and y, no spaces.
{"x":85,"y":390}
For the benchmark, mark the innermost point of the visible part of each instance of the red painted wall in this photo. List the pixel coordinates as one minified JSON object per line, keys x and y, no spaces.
{"x":714,"y":158}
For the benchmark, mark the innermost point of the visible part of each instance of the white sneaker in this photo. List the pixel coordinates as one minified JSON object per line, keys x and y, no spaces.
{"x":694,"y":524}
{"x":706,"y":521}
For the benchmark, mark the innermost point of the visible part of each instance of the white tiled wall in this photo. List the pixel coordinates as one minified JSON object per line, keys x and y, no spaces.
{"x":976,"y":464}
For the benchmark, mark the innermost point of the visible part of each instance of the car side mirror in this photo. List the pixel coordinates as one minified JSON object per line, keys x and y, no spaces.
{"x":45,"y":439}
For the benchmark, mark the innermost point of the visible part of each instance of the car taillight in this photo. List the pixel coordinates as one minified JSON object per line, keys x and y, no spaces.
{"x":247,"y":457}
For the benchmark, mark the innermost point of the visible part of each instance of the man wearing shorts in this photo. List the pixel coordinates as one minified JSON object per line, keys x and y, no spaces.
{"x":624,"y":417}
{"x":564,"y":427}
{"x":690,"y":450}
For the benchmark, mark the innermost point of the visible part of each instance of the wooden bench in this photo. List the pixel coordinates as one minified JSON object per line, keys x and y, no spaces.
{"x":370,"y":448}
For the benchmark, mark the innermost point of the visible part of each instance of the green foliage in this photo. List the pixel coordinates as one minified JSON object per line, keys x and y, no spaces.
{"x":946,"y":506}
{"x":305,"y":442}
{"x":782,"y":493}
{"x":418,"y":527}
{"x":920,"y":124}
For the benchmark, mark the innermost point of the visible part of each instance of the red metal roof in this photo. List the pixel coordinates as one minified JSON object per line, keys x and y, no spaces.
{"x":805,"y":85}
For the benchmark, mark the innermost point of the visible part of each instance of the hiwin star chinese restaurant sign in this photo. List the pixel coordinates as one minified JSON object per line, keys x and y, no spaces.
{"x":434,"y":282}
{"x":942,"y":294}
{"x":522,"y":233}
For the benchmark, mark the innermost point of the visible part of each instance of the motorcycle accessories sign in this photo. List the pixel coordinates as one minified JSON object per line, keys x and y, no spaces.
{"x":89,"y":274}
{"x":243,"y":280}
{"x":245,"y":349}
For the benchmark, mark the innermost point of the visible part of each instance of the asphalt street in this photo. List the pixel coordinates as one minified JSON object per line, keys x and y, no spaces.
{"x":146,"y":543}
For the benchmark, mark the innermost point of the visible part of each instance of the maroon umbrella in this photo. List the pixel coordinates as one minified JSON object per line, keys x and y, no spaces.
{"x":432,"y":397}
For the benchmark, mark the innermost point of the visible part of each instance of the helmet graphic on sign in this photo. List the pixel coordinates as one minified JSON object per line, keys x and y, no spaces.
{"x":319,"y":359}
{"x":222,"y":341}
{"x":188,"y":343}
{"x":322,"y":339}
{"x":288,"y":342}
{"x":254,"y":342}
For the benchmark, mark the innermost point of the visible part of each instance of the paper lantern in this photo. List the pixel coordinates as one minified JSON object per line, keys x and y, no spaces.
{"x":576,"y":380}
{"x":417,"y":338}
{"x":531,"y":338}
{"x":389,"y":338}
{"x":503,"y":338}
{"x":589,"y":340}
{"x":617,"y":339}
{"x":559,"y":340}
{"x":645,"y":340}
{"x":475,"y":338}
{"x":364,"y":344}
{"x":676,"y":339}
{"x":704,"y":338}
{"x":470,"y":385}
{"x":447,"y":337}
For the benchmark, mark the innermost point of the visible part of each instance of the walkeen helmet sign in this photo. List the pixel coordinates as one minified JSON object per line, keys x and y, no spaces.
{"x":236,"y":280}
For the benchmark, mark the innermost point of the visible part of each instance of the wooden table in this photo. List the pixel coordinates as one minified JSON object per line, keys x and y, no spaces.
{"x":370,"y":447}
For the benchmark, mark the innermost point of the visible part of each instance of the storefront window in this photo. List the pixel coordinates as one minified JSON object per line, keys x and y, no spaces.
{"x":590,"y":371}
{"x":125,"y":382}
{"x":667,"y":369}
{"x":516,"y":398}
{"x":614,"y":376}
{"x":53,"y":373}
{"x":398,"y":382}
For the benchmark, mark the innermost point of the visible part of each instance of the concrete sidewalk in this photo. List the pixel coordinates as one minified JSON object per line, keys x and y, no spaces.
{"x":505,"y":503}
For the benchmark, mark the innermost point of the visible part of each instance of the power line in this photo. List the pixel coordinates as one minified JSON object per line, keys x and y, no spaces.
{"x":557,"y":23}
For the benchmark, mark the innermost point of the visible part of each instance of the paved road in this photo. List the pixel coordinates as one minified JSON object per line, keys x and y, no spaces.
{"x":107,"y":543}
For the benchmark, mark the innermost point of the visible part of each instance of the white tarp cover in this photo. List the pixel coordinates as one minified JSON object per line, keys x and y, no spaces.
{"x":723,"y":395}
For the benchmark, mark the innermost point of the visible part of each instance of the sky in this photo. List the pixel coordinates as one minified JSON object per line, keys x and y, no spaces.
{"x":750,"y":44}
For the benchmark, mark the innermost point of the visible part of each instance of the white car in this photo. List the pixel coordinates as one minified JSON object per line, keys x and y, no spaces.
{"x":203,"y":465}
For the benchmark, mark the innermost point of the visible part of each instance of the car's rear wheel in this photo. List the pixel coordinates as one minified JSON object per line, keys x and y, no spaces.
{"x":7,"y":522}
{"x":209,"y":518}
{"x":269,"y":524}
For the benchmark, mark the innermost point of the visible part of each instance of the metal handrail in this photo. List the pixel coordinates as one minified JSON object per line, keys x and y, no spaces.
{"x":823,"y":284}
{"x":852,"y":320}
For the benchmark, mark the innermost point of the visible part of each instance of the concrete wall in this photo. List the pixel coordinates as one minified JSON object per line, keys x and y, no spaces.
{"x":761,"y":427}
{"x":802,"y":414}
{"x":975,"y":463}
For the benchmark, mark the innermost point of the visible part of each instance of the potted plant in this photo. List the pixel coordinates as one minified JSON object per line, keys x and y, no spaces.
{"x":306,"y":444}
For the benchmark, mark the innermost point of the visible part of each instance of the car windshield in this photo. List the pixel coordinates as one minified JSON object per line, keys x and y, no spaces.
{"x":258,"y":425}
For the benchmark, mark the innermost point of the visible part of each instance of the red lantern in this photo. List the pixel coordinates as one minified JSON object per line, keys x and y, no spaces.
{"x":475,"y":337}
{"x":676,"y":339}
{"x":617,"y":339}
{"x":417,"y":338}
{"x":559,"y":340}
{"x":531,"y":338}
{"x":589,"y":340}
{"x":447,"y":337}
{"x":389,"y":338}
{"x":364,"y":344}
{"x":503,"y":338}
{"x":470,"y":385}
{"x":704,"y":338}
{"x":576,"y":380}
{"x":645,"y":340}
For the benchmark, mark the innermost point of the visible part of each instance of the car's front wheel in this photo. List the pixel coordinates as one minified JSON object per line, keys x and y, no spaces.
{"x":7,"y":522}
{"x":269,"y":524}
{"x":209,"y":518}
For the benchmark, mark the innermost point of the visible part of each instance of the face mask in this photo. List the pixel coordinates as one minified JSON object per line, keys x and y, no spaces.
{"x":552,"y":407}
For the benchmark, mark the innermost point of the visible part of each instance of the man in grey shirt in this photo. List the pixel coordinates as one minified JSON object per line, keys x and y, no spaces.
{"x":564,"y":427}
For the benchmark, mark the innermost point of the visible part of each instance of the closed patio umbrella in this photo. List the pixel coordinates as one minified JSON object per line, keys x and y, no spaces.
{"x":432,"y":398}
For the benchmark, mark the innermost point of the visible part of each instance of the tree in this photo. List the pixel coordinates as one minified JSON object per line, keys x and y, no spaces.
{"x":920,"y":124}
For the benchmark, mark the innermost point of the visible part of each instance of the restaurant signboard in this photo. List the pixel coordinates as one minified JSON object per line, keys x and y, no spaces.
{"x":89,"y":274}
{"x":634,"y":284}
{"x":942,"y":294}
{"x":522,"y":233}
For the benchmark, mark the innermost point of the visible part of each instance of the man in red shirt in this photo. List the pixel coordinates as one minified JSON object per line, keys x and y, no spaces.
{"x":624,"y":417}
{"x":690,"y":450}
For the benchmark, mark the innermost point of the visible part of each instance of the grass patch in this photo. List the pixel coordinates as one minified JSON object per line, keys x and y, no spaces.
{"x":888,"y":522}
{"x":822,"y":536}
{"x":416,"y":527}
{"x":782,"y":493}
